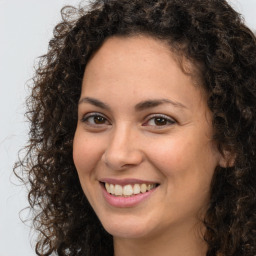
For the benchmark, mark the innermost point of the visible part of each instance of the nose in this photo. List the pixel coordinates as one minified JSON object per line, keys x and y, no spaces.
{"x":123,"y":149}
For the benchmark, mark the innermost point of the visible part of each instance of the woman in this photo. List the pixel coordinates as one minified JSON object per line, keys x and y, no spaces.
{"x":142,"y":137}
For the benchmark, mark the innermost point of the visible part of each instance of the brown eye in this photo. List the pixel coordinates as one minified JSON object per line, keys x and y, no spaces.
{"x":160,"y":121}
{"x":95,"y":119}
{"x":99,"y":119}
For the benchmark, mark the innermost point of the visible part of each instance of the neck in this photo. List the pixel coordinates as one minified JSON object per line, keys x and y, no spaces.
{"x":178,"y":242}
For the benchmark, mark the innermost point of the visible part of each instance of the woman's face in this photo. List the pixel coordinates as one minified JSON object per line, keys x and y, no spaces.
{"x":144,"y":131}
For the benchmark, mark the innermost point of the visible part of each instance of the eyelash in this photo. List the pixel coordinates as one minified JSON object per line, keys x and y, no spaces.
{"x":86,"y":118}
{"x":168,"y":121}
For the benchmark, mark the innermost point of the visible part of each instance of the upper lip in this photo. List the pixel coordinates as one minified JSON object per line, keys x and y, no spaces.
{"x":124,"y":182}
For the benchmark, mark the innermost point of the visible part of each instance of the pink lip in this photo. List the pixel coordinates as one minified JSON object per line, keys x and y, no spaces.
{"x":122,"y":202}
{"x":124,"y":182}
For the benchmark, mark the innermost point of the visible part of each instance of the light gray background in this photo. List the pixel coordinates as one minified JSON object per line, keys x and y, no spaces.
{"x":25,"y":29}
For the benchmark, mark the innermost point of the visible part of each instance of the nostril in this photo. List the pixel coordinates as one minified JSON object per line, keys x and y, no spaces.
{"x":122,"y":160}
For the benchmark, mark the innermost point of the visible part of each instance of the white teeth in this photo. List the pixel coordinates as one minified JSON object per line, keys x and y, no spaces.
{"x":143,"y":188}
{"x":128,"y":190}
{"x":136,"y":189}
{"x":107,"y":186}
{"x":118,"y":190}
{"x":112,"y":189}
{"x":150,"y":186}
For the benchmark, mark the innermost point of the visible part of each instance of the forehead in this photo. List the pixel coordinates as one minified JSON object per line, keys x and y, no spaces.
{"x":135,"y":65}
{"x":148,"y":47}
{"x":125,"y":49}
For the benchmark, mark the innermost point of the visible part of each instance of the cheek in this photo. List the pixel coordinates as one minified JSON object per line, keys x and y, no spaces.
{"x":187,"y":165}
{"x":87,"y":156}
{"x":86,"y":153}
{"x":183,"y":153}
{"x":171,"y":154}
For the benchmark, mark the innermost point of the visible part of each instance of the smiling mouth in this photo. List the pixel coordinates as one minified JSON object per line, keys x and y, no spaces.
{"x":129,"y":189}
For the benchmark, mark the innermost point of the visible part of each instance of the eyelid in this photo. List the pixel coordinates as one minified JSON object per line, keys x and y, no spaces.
{"x":168,"y":118}
{"x":92,"y":114}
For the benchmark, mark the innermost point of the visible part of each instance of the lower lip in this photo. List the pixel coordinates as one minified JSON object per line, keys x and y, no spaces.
{"x":130,"y":201}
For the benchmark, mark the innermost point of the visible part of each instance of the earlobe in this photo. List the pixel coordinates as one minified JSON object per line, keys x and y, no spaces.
{"x":227,"y":159}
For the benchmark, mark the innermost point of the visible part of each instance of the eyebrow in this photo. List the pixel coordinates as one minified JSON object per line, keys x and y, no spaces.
{"x":138,"y":107}
{"x":156,"y":102}
{"x":94,"y":102}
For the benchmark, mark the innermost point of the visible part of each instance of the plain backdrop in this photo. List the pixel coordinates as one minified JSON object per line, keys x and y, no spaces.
{"x":25,"y":28}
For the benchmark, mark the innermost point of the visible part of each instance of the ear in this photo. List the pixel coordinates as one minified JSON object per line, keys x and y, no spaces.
{"x":227,"y":159}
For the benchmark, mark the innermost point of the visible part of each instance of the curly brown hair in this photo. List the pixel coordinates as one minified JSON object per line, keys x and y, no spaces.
{"x":210,"y":34}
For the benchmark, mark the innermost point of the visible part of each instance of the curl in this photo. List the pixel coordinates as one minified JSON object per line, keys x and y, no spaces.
{"x":212,"y":36}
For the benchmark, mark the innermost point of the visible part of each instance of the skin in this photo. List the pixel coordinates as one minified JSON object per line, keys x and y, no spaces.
{"x":126,"y":142}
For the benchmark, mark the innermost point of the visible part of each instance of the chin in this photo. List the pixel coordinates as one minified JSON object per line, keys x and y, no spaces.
{"x":126,"y":228}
